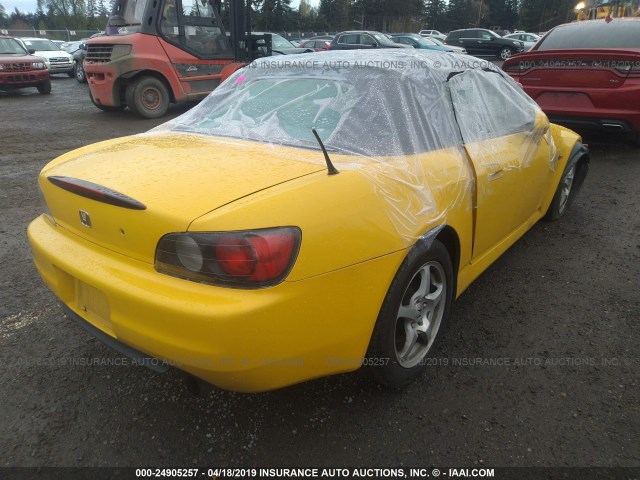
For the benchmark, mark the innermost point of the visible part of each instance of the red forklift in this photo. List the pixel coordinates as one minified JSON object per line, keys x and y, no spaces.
{"x":157,"y":52}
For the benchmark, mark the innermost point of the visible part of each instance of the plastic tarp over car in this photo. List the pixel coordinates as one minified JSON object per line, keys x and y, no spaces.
{"x":399,"y":115}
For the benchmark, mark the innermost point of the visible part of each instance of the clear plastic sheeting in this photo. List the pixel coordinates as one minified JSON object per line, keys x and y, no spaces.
{"x":413,"y":117}
{"x":487,"y":107}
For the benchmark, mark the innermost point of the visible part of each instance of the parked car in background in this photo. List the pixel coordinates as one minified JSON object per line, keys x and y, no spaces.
{"x":482,"y":42}
{"x":282,"y":46}
{"x":417,"y":41}
{"x":56,"y":60}
{"x":59,"y":43}
{"x":586,"y":75}
{"x":78,"y":63}
{"x":437,"y":41}
{"x":316,"y":45}
{"x":363,"y":39}
{"x":323,"y":37}
{"x":433,"y":34}
{"x":389,"y":189}
{"x":529,"y":39}
{"x":20,"y":69}
{"x":72,"y":47}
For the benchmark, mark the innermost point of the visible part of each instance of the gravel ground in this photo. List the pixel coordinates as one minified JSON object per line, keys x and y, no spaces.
{"x":562,"y":307}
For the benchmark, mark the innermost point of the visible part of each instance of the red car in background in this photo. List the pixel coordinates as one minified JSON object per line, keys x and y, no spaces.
{"x":317,"y":45}
{"x":20,"y":69}
{"x":586,"y":75}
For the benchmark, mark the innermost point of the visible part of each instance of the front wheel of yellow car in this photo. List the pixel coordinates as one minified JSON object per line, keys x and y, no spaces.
{"x":412,"y":317}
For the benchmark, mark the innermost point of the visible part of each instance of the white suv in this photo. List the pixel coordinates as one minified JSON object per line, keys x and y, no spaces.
{"x":56,"y":60}
{"x":433,"y":33}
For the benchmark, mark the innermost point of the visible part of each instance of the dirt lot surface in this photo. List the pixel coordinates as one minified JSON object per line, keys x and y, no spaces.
{"x":562,"y":308}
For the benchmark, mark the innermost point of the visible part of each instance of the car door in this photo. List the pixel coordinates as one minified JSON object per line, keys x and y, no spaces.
{"x":486,"y":43}
{"x":505,"y":136}
{"x":349,"y":41}
{"x":471,"y":41}
{"x":529,"y":41}
{"x":367,"y":41}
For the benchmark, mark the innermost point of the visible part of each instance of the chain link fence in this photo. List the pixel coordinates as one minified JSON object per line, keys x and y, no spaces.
{"x":65,"y":35}
{"x":71,"y":35}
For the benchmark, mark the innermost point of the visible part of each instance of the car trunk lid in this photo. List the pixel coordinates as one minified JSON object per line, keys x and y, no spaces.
{"x":575,"y":68}
{"x":126,"y":194}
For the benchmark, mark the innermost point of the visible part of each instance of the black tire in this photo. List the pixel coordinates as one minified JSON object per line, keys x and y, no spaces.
{"x":564,"y":193}
{"x":392,"y":335}
{"x":148,"y":97}
{"x":505,"y":53}
{"x":44,"y":87}
{"x":72,"y":72}
{"x":106,"y":108}
{"x":78,"y":72}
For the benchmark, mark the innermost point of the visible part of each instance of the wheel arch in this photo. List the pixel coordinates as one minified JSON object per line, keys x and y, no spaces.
{"x":448,"y":236}
{"x":121,"y":84}
{"x":579,"y":157}
{"x":582,"y":159}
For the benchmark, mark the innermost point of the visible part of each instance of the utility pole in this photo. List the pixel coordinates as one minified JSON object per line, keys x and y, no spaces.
{"x":479,"y":13}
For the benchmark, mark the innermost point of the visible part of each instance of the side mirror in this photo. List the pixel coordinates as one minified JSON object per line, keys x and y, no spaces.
{"x":82,"y":46}
{"x":31,"y":51}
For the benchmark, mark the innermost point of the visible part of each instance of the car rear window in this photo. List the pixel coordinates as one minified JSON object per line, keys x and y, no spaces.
{"x":351,"y":108}
{"x":598,"y":34}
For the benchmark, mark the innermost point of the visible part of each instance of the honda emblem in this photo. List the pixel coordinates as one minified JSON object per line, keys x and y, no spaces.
{"x":85,"y":218}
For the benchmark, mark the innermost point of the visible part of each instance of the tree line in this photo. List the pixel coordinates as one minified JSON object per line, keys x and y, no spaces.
{"x":59,"y":15}
{"x":334,"y":15}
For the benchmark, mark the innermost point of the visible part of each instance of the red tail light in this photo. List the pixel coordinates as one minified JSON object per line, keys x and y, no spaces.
{"x":235,"y":256}
{"x":250,"y":259}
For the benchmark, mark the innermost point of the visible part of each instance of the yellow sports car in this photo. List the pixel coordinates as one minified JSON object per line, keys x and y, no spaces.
{"x":309,"y":217}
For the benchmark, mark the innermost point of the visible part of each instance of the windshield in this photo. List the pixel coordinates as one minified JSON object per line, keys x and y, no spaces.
{"x":9,"y":45}
{"x":422,"y":41}
{"x":597,"y":34}
{"x":279,"y":42}
{"x":431,"y":41}
{"x":382,"y":39}
{"x":41,"y":45}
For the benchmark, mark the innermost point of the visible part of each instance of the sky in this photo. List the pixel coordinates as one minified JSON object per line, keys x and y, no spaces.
{"x":23,"y":5}
{"x":31,"y":5}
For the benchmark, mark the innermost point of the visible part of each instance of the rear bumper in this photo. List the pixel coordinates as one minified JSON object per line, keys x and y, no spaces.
{"x":603,"y":109}
{"x":592,"y":123}
{"x":244,"y":340}
{"x":138,"y":357}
